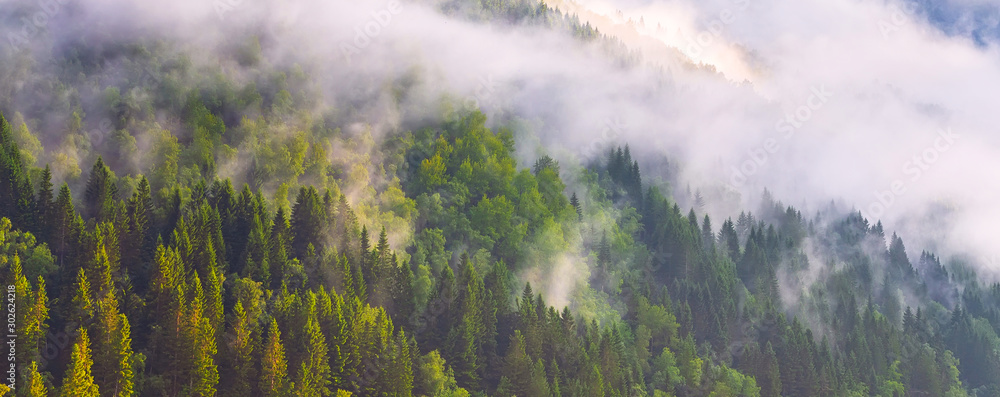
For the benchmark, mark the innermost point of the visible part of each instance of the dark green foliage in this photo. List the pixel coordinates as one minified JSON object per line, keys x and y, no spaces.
{"x":188,"y":287}
{"x":102,"y":192}
{"x":307,"y":222}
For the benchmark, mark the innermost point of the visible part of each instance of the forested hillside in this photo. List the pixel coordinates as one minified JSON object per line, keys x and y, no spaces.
{"x":176,"y":227}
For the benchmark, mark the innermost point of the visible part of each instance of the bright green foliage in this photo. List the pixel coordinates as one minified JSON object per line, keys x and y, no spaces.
{"x":313,"y":377}
{"x":114,"y":360}
{"x":36,"y":383}
{"x":666,"y":374}
{"x":231,"y":294}
{"x":199,"y":366}
{"x":274,"y":368}
{"x":78,"y":381}
{"x":731,"y":383}
{"x":82,"y":306}
{"x":437,"y":378}
{"x":242,"y":355}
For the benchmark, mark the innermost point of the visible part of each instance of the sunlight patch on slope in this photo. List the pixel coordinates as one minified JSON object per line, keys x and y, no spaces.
{"x":669,"y":36}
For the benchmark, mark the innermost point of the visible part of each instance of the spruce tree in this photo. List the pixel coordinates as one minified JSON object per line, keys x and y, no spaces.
{"x":45,"y":208}
{"x":78,"y":381}
{"x":307,"y":221}
{"x":113,"y":357}
{"x":575,"y":202}
{"x":36,"y":382}
{"x":313,"y":378}
{"x":242,"y":353}
{"x":16,"y":196}
{"x":101,"y":192}
{"x":199,"y":336}
{"x":82,"y":306}
{"x":274,"y":368}
{"x":67,"y":229}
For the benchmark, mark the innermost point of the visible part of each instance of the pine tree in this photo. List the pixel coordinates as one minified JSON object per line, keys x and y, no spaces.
{"x":400,"y":377}
{"x":34,"y":323}
{"x":16,"y":197}
{"x":364,"y":254}
{"x":575,"y":202}
{"x":466,"y":338}
{"x":380,"y":273}
{"x":280,"y":243}
{"x":101,"y":269}
{"x":273,"y":365}
{"x":539,"y":384}
{"x":36,"y":382}
{"x":31,"y":326}
{"x":138,"y":244}
{"x":307,"y":221}
{"x":517,"y":366}
{"x":242,"y":352}
{"x":213,"y":303}
{"x":313,"y":378}
{"x":330,"y":315}
{"x":404,"y":301}
{"x":67,"y":229}
{"x":81,"y":307}
{"x":78,"y":381}
{"x":763,"y":366}
{"x":101,"y":191}
{"x":45,"y":208}
{"x":199,"y":335}
{"x":113,"y":357}
{"x":257,"y":252}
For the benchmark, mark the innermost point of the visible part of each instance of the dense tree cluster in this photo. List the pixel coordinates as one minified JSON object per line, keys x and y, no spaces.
{"x":179,"y":231}
{"x":214,"y":292}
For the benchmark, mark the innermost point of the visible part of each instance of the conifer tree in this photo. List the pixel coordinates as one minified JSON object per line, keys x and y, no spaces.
{"x":575,"y":202}
{"x":313,"y":378}
{"x":242,"y":353}
{"x":67,"y":229}
{"x":82,"y":306}
{"x":16,"y":196}
{"x":517,"y":366}
{"x":31,"y":326}
{"x":137,"y":244}
{"x":45,"y":207}
{"x":257,"y":252}
{"x":34,"y":323}
{"x":78,"y":381}
{"x":307,"y":221}
{"x":273,"y":365}
{"x":36,"y":382}
{"x":201,"y":348}
{"x":102,"y":192}
{"x":113,"y":355}
{"x":213,"y":302}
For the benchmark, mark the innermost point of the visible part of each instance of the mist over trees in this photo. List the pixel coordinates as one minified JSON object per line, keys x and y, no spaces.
{"x":178,"y":228}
